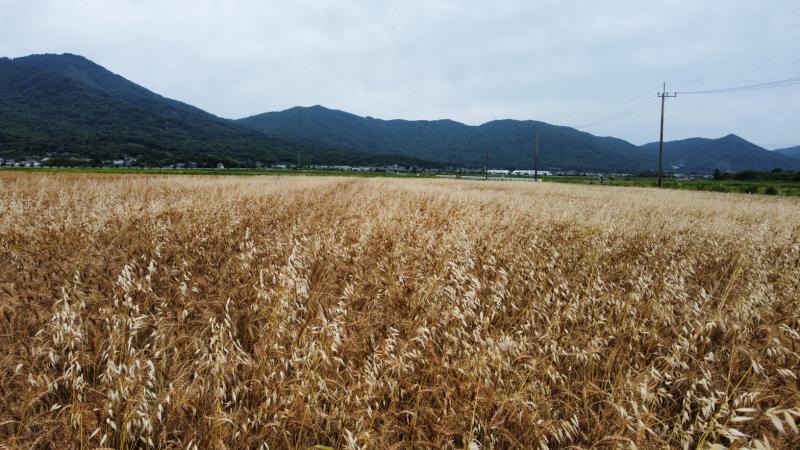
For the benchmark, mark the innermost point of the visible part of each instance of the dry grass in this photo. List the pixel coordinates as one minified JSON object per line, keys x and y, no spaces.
{"x":194,"y":313}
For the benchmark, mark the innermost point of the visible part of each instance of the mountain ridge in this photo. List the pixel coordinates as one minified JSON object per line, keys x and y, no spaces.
{"x":70,"y":108}
{"x":443,"y":139}
{"x":511,"y":143}
{"x":792,"y":152}
{"x":730,"y":153}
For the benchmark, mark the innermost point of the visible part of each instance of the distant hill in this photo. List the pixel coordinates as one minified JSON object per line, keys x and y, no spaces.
{"x":69,"y":107}
{"x":728,"y":154}
{"x":511,"y":143}
{"x":792,"y":152}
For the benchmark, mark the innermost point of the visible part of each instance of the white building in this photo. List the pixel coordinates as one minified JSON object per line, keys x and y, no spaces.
{"x":543,"y":173}
{"x":498,"y":172}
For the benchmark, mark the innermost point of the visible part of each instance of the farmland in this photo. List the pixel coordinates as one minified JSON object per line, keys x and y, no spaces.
{"x":146,"y":311}
{"x":766,"y":186}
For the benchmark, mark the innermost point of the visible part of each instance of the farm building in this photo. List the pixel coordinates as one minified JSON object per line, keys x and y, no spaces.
{"x":543,"y":173}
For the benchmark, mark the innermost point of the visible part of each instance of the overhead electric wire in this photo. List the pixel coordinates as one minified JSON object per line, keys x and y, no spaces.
{"x":734,"y":74}
{"x":749,"y":87}
{"x":625,"y":112}
{"x":647,"y":102}
{"x":618,"y":117}
{"x":587,"y":116}
{"x":622,"y":111}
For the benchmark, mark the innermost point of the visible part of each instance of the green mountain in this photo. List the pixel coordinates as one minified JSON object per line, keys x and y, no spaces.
{"x":728,"y":154}
{"x":65,"y":106}
{"x":792,"y":152}
{"x":511,"y":142}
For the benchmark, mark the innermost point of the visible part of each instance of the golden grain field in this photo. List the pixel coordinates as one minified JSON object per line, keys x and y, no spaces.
{"x":184,"y":312}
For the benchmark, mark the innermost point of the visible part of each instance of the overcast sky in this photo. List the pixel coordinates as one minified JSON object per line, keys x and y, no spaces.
{"x":561,"y":61}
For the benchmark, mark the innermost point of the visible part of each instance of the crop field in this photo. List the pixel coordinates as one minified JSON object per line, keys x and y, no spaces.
{"x":328,"y":312}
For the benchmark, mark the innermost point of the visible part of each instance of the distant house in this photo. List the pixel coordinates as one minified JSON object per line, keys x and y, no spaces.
{"x":220,"y":166}
{"x":2,"y":161}
{"x":118,"y":162}
{"x":543,"y":173}
{"x":498,"y":172}
{"x":394,"y":168}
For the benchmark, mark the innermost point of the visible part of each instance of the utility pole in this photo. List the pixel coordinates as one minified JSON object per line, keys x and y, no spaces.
{"x":663,"y":96}
{"x":486,"y":172}
{"x":536,"y":159}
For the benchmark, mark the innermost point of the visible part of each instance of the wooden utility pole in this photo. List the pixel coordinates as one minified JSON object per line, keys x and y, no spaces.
{"x":486,"y":171}
{"x":663,"y":96}
{"x":536,"y":159}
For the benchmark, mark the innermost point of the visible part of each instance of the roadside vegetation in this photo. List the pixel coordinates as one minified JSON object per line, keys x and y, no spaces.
{"x":755,"y":186}
{"x":307,"y":312}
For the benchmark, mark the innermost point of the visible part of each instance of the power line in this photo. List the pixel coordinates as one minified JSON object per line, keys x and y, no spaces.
{"x":734,"y":74}
{"x":621,"y":114}
{"x":748,"y":87}
{"x":647,"y":102}
{"x":643,"y":104}
{"x":586,"y":116}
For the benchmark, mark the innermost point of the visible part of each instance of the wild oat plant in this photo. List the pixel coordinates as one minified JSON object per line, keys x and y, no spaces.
{"x":288,"y":312}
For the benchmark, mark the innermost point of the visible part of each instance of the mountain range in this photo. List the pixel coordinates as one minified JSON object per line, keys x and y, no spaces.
{"x":728,"y":154}
{"x":511,"y":143}
{"x":70,"y":109}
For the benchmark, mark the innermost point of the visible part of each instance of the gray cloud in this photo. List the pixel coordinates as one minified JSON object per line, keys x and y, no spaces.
{"x":561,"y":61}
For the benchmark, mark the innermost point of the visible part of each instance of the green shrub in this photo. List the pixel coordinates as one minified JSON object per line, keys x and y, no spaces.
{"x":750,"y":190}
